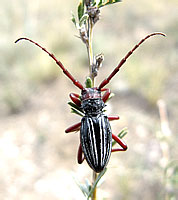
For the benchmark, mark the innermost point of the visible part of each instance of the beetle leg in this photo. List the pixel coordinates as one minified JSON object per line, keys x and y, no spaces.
{"x":75,"y":98}
{"x":120,"y":142}
{"x":75,"y":127}
{"x":106,"y":94}
{"x":114,"y":117}
{"x":80,"y":156}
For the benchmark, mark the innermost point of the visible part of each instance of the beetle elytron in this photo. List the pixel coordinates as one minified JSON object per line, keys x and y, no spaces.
{"x":95,"y":131}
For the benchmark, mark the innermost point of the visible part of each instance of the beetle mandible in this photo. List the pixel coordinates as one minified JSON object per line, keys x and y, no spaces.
{"x":95,"y":130}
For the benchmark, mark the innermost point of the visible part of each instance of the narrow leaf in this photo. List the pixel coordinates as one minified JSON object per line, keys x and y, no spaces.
{"x":82,"y":187}
{"x":93,"y":2}
{"x":75,"y":106}
{"x":110,"y":96}
{"x":80,"y":9}
{"x":83,"y":19}
{"x":123,"y":133}
{"x":96,"y":182}
{"x":107,"y":2}
{"x":74,"y":20}
{"x":88,"y":82}
{"x":73,"y":110}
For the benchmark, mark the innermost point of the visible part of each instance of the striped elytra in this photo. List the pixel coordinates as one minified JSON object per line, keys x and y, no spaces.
{"x":96,"y":141}
{"x":96,"y":135}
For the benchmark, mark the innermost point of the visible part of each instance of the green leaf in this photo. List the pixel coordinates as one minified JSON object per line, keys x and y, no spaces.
{"x":73,"y":19}
{"x":83,"y":19}
{"x":107,"y":2}
{"x":76,"y":109}
{"x":83,"y":188}
{"x":93,"y":2}
{"x":75,"y":106}
{"x":110,"y":96}
{"x":88,"y":82}
{"x":80,"y":9}
{"x":96,"y":182}
{"x":173,"y":165}
{"x":123,"y":133}
{"x":73,"y":110}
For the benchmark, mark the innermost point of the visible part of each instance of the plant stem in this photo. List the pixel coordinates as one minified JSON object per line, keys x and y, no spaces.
{"x":90,"y":58}
{"x":166,"y":134}
{"x":90,"y":48}
{"x":94,"y":192}
{"x":89,"y":28}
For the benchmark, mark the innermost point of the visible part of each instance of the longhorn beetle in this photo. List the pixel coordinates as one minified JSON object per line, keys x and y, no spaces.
{"x":95,"y":130}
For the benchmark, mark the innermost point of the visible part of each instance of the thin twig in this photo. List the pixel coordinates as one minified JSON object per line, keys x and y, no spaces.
{"x":90,"y":58}
{"x":165,"y":132}
{"x":94,"y":196}
{"x":90,"y":48}
{"x":165,"y":135}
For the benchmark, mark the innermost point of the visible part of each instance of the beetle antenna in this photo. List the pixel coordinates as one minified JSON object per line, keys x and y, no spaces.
{"x":106,"y":81}
{"x":75,"y":82}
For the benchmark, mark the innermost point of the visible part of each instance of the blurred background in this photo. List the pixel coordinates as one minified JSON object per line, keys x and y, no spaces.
{"x":37,"y":159}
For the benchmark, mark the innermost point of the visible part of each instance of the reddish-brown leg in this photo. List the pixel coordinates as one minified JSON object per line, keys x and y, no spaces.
{"x":75,"y":98}
{"x":114,"y":117}
{"x":120,"y":142}
{"x":106,"y":94}
{"x":80,"y":156}
{"x":75,"y":127}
